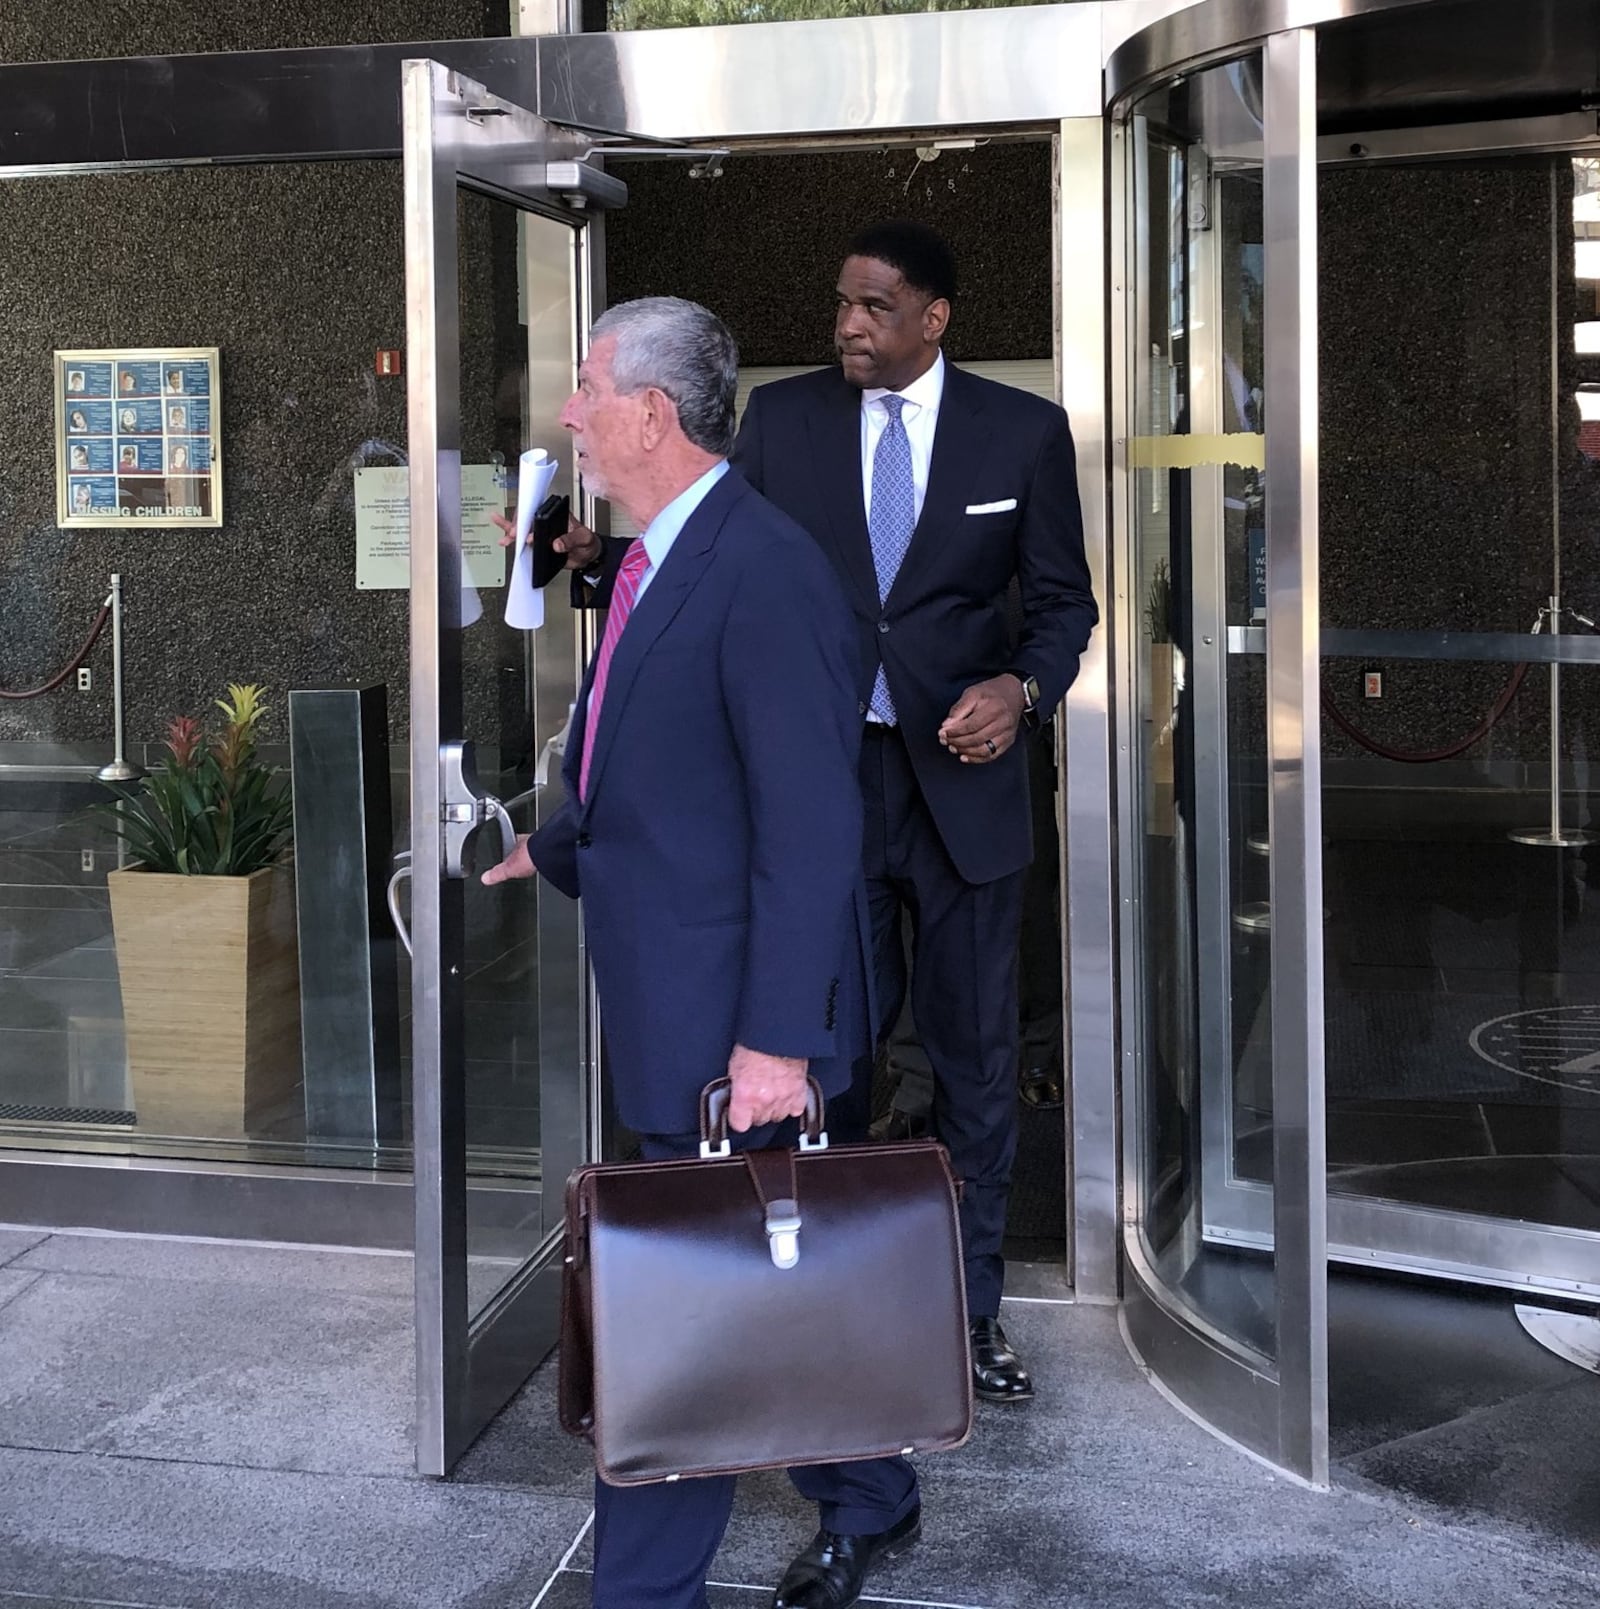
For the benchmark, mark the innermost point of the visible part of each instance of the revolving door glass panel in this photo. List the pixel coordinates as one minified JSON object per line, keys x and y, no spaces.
{"x":1461,"y":494}
{"x":1196,"y":527}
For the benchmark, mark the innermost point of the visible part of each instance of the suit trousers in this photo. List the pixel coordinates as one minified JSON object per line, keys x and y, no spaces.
{"x":963,"y":994}
{"x":653,"y":1545}
{"x":1038,"y":953}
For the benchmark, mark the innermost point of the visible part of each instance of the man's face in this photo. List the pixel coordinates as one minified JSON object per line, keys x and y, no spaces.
{"x":885,"y":331}
{"x":605,"y":425}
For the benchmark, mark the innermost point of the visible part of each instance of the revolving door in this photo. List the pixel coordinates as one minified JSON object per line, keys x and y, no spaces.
{"x":1356,"y":661}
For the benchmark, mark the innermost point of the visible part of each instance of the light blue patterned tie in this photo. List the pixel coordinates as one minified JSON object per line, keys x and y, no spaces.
{"x":893,"y":517}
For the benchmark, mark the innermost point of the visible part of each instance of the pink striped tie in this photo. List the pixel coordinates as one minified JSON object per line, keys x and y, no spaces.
{"x":624,"y":595}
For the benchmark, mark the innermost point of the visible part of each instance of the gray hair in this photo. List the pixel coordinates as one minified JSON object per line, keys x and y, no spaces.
{"x":684,"y":350}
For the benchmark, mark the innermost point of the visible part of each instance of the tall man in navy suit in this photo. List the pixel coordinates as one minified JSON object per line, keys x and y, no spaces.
{"x":712,"y":826}
{"x":933,"y":492}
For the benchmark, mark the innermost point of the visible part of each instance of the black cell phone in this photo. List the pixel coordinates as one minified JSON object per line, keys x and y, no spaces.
{"x":549,"y":522}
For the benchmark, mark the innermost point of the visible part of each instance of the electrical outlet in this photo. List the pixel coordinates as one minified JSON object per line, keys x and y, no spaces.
{"x":86,"y":860}
{"x":85,"y":678}
{"x":1372,"y":684}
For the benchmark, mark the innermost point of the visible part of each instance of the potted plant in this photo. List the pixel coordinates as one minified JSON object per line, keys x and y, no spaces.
{"x":205,"y":930}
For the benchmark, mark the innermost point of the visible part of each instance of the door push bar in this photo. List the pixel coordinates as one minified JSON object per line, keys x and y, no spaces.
{"x":464,"y":808}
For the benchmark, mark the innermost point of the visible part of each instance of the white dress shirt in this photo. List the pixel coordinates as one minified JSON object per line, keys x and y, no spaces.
{"x":667,"y":526}
{"x":664,"y":529}
{"x":920,"y":416}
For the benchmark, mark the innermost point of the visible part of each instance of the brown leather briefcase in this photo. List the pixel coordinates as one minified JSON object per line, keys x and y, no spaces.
{"x":764,"y":1308}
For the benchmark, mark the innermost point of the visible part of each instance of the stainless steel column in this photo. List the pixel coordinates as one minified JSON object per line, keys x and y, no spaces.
{"x":433,"y":347}
{"x":1294,"y":752}
{"x":1085,"y":795}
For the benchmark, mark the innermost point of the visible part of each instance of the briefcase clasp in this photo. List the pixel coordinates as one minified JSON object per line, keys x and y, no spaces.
{"x":783,"y":1233}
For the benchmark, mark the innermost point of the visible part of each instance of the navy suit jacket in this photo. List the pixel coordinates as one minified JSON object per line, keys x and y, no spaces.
{"x":718,"y":854}
{"x":945,"y":623}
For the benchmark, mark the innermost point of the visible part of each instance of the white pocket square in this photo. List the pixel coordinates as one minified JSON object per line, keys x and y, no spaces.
{"x":1004,"y":506}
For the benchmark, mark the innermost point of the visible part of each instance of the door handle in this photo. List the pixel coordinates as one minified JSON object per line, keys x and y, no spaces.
{"x":402,"y":874}
{"x":466,"y":808}
{"x":554,"y":751}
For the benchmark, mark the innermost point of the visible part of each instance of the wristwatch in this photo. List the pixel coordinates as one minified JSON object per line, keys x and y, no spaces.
{"x":1030,"y":700}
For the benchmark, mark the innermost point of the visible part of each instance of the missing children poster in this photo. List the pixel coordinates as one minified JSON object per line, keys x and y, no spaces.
{"x":137,"y":437}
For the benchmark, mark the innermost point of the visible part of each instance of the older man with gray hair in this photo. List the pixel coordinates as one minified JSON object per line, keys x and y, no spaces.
{"x":712,"y":827}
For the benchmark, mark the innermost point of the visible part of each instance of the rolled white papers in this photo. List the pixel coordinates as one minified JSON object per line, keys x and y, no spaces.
{"x":524,"y":601}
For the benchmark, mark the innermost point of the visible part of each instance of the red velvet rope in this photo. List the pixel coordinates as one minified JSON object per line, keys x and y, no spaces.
{"x":82,"y":654}
{"x":1429,"y":756}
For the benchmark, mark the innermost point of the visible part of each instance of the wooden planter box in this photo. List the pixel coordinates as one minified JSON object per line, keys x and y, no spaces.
{"x":210,"y":998}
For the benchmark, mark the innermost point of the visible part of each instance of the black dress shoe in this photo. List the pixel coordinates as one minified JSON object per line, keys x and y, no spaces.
{"x":832,"y":1571}
{"x":898,"y":1125}
{"x":997,"y":1371}
{"x":1040,"y":1088}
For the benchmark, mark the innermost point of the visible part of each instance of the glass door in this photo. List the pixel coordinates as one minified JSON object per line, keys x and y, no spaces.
{"x":1458,"y":658}
{"x":497,"y":278}
{"x":1463,"y":981}
{"x":1222,"y":1024}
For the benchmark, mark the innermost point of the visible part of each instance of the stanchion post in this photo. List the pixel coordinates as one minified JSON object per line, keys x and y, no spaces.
{"x":121,"y":768}
{"x":1553,"y":836}
{"x":1555,"y":728}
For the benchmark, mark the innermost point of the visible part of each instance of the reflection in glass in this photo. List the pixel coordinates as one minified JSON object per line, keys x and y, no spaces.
{"x":524,"y":986}
{"x":1463,"y":946}
{"x":268,"y":599}
{"x":1195,"y":346}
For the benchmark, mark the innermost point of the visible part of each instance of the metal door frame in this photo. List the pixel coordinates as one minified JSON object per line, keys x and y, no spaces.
{"x":456,"y":136}
{"x":871,"y":78}
{"x":1277,"y":1406}
{"x":1370,"y":1231}
{"x":905,"y":78}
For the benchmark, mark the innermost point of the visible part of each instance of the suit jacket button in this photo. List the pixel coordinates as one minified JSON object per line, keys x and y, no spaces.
{"x":584,"y":840}
{"x":883,"y":627}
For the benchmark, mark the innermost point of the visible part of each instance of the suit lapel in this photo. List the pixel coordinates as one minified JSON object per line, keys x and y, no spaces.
{"x":681,"y":571}
{"x":960,"y":443}
{"x":836,"y":449}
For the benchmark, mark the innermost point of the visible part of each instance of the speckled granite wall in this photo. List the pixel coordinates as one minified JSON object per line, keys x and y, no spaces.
{"x":297,"y":273}
{"x":761,"y":246}
{"x":32,"y":30}
{"x":1437,"y":500}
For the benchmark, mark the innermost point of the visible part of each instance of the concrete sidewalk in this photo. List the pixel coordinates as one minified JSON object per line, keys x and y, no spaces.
{"x":187,"y":1425}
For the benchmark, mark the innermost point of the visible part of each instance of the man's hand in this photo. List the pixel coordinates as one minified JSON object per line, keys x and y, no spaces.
{"x":982,"y":723}
{"x":580,"y":544}
{"x":766,"y":1089}
{"x":519,"y":863}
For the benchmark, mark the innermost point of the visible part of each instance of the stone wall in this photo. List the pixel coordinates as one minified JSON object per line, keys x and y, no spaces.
{"x":297,"y":273}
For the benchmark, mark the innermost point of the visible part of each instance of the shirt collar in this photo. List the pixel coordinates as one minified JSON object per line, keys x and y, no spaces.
{"x":926,"y":391}
{"x":663,"y":530}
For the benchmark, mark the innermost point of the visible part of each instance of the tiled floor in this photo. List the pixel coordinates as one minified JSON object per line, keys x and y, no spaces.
{"x":188,"y":1426}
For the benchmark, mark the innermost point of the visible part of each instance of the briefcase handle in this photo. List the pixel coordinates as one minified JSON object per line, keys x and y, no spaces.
{"x":717,"y":1097}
